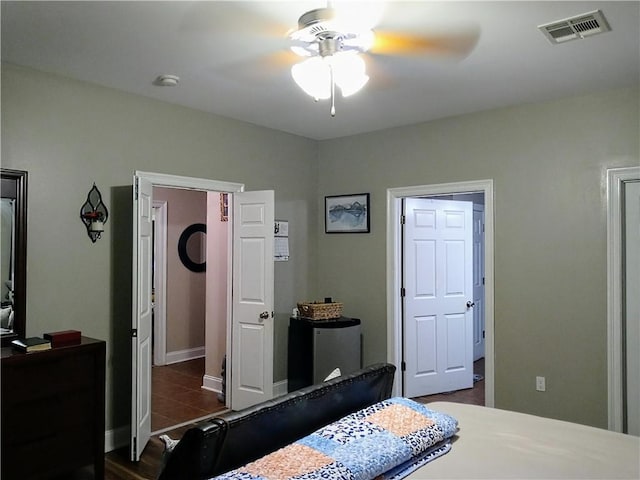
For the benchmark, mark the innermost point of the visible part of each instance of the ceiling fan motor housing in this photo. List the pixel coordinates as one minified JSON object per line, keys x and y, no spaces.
{"x":329,"y":46}
{"x":321,"y":35}
{"x":313,"y":17}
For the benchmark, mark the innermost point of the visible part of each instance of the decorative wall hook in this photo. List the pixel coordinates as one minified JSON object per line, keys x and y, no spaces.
{"x":94,"y":214}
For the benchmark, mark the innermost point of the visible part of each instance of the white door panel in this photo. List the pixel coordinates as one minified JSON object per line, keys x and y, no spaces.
{"x":252,"y":259}
{"x":141,"y":321}
{"x":478,"y":282}
{"x":454,"y":264}
{"x":438,"y":284}
{"x":252,"y":323}
{"x":632,"y":306}
{"x":456,"y":351}
{"x":425,"y":277}
{"x":252,"y":340}
{"x":426,"y":332}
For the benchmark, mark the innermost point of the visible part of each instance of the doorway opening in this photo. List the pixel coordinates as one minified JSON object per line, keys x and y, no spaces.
{"x":395,"y":325}
{"x":623,"y":308}
{"x":187,"y":332}
{"x":142,"y":388}
{"x":443,"y":297}
{"x":248,"y":327}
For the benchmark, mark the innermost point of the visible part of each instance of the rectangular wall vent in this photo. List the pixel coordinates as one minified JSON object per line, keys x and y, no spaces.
{"x":575,"y":28}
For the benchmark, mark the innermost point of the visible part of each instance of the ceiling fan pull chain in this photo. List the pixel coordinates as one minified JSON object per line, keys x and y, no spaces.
{"x":333,"y":93}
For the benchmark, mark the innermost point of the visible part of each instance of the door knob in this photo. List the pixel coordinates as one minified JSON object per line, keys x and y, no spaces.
{"x":264,"y":315}
{"x":470,"y":304}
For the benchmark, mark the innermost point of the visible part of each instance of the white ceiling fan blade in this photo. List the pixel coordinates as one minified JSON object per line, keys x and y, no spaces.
{"x":239,"y":18}
{"x":262,"y":69}
{"x":358,"y":16}
{"x":453,"y":45}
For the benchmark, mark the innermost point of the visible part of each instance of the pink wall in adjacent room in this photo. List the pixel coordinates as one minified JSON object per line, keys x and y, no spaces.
{"x":185,"y":289}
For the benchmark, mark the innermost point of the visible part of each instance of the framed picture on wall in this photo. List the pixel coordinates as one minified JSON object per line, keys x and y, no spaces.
{"x":346,"y":213}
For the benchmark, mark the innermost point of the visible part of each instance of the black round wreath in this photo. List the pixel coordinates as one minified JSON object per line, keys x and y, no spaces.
{"x":182,"y":247}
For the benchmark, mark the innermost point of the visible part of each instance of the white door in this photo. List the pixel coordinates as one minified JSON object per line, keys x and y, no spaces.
{"x":632,"y":305}
{"x":478,"y":282}
{"x":252,"y":315}
{"x":438,"y":324}
{"x":141,"y":317}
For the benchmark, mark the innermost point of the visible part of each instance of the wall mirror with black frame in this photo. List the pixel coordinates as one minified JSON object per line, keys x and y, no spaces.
{"x":13,"y":255}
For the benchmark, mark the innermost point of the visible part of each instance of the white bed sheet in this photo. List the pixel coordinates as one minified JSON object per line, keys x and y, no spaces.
{"x":498,"y":444}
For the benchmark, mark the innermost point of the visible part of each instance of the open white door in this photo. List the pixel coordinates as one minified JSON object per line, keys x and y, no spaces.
{"x":632,"y":306}
{"x":438,"y":324}
{"x":252,"y":317}
{"x":141,"y":317}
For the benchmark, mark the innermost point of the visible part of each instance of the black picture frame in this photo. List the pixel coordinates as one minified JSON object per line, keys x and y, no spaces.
{"x":347,"y":213}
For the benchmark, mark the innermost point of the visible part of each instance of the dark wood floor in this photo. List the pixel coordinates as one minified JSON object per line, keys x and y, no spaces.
{"x":473,"y":396}
{"x":118,"y":466}
{"x":177,"y":401}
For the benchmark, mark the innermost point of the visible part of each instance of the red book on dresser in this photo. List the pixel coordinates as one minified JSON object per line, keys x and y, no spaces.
{"x":63,"y":338}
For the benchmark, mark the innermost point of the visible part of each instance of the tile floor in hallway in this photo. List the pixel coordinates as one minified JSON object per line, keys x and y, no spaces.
{"x":177,"y":395}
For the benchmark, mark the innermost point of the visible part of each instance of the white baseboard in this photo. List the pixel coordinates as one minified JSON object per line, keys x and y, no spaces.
{"x":184,"y":355}
{"x":280,"y":388}
{"x":212,"y":383}
{"x":117,"y":438}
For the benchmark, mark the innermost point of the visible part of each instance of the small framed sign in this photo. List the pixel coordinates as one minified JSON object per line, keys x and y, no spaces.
{"x":224,"y":207}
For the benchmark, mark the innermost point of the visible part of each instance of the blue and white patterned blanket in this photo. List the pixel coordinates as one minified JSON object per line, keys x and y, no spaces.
{"x":385,"y":441}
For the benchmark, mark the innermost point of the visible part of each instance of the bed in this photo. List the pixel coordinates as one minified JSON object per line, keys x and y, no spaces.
{"x":496,"y":444}
{"x":282,"y":438}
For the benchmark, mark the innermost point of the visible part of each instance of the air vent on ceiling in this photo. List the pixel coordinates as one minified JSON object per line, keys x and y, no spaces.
{"x":574,"y":28}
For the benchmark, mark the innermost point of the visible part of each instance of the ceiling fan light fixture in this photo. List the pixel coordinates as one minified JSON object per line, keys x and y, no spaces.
{"x":354,"y":85}
{"x":313,"y":77}
{"x":332,"y":44}
{"x":349,"y":72}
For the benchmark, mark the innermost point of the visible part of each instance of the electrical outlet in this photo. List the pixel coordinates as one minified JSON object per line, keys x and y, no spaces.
{"x":541,"y":384}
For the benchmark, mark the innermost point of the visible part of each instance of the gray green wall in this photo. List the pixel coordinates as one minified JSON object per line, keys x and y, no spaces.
{"x":548,"y":164}
{"x":547,"y":161}
{"x":69,"y":134}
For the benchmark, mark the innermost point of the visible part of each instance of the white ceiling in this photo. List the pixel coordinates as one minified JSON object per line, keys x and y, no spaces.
{"x":220,"y":51}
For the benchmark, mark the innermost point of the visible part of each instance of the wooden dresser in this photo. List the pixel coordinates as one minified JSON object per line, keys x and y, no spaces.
{"x":53,"y":411}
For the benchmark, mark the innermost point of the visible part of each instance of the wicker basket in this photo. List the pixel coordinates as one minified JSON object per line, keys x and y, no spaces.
{"x":320,"y":311}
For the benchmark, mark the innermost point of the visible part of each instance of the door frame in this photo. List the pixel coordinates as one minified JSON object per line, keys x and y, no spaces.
{"x":479,"y":208}
{"x":201,"y":184}
{"x":394,"y":272}
{"x":616,"y":178}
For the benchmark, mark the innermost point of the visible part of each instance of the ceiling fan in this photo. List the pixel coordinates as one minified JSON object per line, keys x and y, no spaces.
{"x":330,"y":44}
